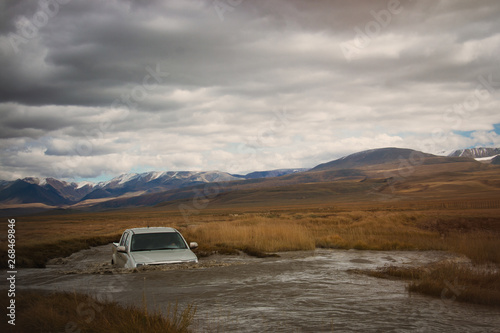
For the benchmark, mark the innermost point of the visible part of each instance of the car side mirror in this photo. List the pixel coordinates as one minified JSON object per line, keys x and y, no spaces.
{"x":121,"y":248}
{"x":193,"y":245}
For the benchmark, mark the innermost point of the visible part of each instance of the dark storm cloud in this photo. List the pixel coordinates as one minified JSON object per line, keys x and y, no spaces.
{"x":19,"y":121}
{"x":104,"y":86}
{"x":10,"y":10}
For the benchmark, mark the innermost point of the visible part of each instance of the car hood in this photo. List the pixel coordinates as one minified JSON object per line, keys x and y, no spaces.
{"x":163,"y":256}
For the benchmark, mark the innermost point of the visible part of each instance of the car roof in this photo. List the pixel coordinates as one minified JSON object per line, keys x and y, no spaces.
{"x":152,"y":230}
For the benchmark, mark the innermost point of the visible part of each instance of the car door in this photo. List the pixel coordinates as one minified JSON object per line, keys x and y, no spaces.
{"x":121,"y":257}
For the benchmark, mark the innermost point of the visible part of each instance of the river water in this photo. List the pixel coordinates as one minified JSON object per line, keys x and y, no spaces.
{"x":306,"y":291}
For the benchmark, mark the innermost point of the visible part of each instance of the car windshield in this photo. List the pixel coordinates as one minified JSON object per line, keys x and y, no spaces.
{"x":157,"y":241}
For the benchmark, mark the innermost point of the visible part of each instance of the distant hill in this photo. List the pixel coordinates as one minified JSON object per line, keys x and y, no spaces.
{"x":24,"y":191}
{"x":372,"y":157}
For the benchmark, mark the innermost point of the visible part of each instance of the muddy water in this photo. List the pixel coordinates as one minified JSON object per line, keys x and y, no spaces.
{"x":297,"y":292}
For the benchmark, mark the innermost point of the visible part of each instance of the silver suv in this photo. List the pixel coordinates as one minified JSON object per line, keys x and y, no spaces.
{"x":152,"y":246}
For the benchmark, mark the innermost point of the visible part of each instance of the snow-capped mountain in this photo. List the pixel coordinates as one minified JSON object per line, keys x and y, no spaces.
{"x":485,"y":155}
{"x":155,"y":182}
{"x":53,"y":192}
{"x":273,"y":173}
{"x":476,"y":152}
{"x":47,"y":191}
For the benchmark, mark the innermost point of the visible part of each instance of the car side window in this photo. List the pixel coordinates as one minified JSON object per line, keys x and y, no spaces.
{"x":127,"y":239}
{"x":124,"y":240}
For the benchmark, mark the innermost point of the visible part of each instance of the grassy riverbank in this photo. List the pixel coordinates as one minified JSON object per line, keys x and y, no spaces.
{"x":450,"y":281}
{"x":39,"y":311}
{"x":471,"y":232}
{"x":477,"y":238}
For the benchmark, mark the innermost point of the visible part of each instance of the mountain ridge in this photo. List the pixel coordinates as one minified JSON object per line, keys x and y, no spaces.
{"x":54,"y":192}
{"x":480,"y":152}
{"x":150,"y":188}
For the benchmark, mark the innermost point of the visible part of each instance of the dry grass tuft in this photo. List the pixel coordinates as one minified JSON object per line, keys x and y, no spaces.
{"x":253,"y":234}
{"x":393,"y":272}
{"x":366,"y":230}
{"x":481,"y":247}
{"x":332,"y":241}
{"x":71,"y":312}
{"x":449,"y":281}
{"x":452,"y":281}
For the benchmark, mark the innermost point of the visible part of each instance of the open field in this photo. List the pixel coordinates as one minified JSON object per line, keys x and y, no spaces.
{"x":386,"y":226}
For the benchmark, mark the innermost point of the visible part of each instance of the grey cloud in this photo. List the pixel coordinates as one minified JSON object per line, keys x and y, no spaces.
{"x":228,"y":77}
{"x":79,"y":147}
{"x":12,"y":9}
{"x":18,"y":121}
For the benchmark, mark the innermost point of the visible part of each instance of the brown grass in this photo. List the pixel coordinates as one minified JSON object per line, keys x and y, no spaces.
{"x":71,"y":312}
{"x":471,"y":232}
{"x":462,"y":283}
{"x":447,"y":280}
{"x":253,"y":232}
{"x":37,"y":254}
{"x":283,"y":232}
{"x":393,"y":272}
{"x":480,"y":247}
{"x":372,"y":230}
{"x":475,"y":236}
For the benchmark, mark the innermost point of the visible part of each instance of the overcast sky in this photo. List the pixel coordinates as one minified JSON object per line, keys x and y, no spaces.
{"x":93,"y":89}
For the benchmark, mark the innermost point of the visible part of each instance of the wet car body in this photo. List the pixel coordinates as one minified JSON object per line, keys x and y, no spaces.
{"x":152,"y":246}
